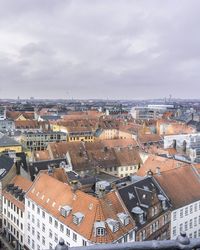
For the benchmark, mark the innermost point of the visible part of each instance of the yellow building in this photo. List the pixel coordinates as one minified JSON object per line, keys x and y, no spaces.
{"x":9,"y":144}
{"x":75,"y":133}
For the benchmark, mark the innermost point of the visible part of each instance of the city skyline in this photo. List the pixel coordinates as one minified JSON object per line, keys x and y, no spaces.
{"x":99,"y":50}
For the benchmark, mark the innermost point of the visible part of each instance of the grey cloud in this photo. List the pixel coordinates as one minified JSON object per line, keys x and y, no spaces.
{"x":99,"y":49}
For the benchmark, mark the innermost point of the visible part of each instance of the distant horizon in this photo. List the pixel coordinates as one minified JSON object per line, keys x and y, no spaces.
{"x":100,"y":99}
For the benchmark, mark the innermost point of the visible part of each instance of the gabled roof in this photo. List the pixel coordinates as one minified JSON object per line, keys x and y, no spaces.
{"x":153,"y":162}
{"x":36,"y":167}
{"x":181,"y":185}
{"x":94,"y":209}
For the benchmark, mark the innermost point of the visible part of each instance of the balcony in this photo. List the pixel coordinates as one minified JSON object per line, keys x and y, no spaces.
{"x":182,"y":242}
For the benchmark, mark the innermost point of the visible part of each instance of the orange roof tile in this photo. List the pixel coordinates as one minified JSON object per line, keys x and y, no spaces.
{"x":52,"y":194}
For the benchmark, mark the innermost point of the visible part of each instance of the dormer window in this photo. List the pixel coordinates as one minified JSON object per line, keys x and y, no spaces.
{"x":124,"y":218}
{"x":113,"y":225}
{"x":141,"y":218}
{"x":99,"y":228}
{"x":65,"y":211}
{"x":163,"y":199}
{"x":77,"y":218}
{"x":140,"y":214}
{"x":100,"y":231}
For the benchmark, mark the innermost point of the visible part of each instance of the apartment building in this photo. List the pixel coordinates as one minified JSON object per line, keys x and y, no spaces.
{"x":149,"y":207}
{"x":13,"y":211}
{"x":182,"y":186}
{"x":38,"y":140}
{"x":57,"y":210}
{"x":76,"y":130}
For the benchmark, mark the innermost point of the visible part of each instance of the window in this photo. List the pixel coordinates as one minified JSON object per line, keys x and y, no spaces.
{"x":33,"y":231}
{"x":29,"y":215}
{"x":38,"y":210}
{"x":181,"y":213}
{"x":38,"y":235}
{"x":29,"y":204}
{"x":186,"y":211}
{"x":116,"y":227}
{"x":125,"y":238}
{"x":50,"y":233}
{"x":152,"y":211}
{"x":43,"y":240}
{"x":56,"y":238}
{"x":157,"y":225}
{"x":43,"y":227}
{"x":33,"y":206}
{"x":33,"y":218}
{"x":67,"y":231}
{"x":100,"y":231}
{"x":29,"y":227}
{"x":131,"y":235}
{"x":165,"y":219}
{"x":141,"y":218}
{"x":38,"y":247}
{"x":50,"y":246}
{"x":142,"y":235}
{"x":186,"y":226}
{"x":56,"y":224}
{"x":195,"y":207}
{"x":195,"y":221}
{"x":38,"y":223}
{"x":174,"y":216}
{"x":191,"y":209}
{"x":61,"y":228}
{"x":84,"y":243}
{"x":190,"y":223}
{"x":195,"y":234}
{"x":181,"y":227}
{"x":50,"y":219}
{"x":21,"y":226}
{"x":29,"y":240}
{"x":174,"y":231}
{"x":43,"y":214}
{"x":33,"y":244}
{"x":74,"y":237}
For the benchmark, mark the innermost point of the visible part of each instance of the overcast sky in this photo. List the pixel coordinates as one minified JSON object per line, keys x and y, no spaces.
{"x":99,"y":49}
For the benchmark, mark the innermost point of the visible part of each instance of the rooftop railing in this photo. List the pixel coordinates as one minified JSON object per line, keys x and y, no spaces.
{"x":181,"y":243}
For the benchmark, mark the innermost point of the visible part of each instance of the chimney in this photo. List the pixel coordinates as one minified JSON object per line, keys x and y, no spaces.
{"x":149,"y":173}
{"x":50,"y":170}
{"x":158,"y":171}
{"x":101,"y":192}
{"x":74,"y":185}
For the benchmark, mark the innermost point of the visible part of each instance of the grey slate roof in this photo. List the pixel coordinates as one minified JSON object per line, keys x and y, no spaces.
{"x":7,"y":141}
{"x":6,"y":164}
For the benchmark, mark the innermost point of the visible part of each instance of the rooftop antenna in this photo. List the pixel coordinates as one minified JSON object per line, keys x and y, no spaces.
{"x":170,"y":98}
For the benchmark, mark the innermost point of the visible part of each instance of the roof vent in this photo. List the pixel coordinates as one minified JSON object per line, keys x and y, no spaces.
{"x":77,"y":218}
{"x":113,"y":225}
{"x":65,"y":211}
{"x":137,"y":210}
{"x":124,"y":218}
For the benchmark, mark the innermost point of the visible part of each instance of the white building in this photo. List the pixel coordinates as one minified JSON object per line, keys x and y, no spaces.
{"x":182,"y":185}
{"x":186,"y":218}
{"x":56,"y":210}
{"x":13,"y":211}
